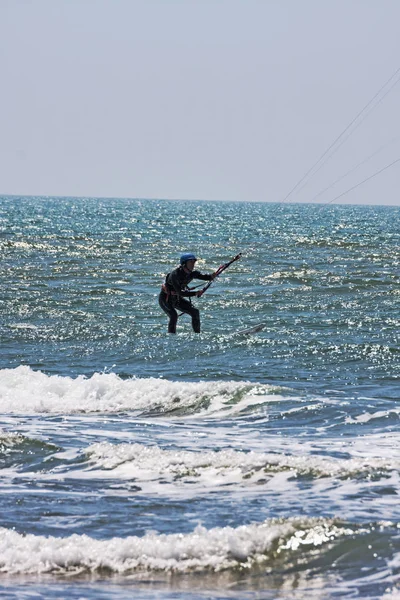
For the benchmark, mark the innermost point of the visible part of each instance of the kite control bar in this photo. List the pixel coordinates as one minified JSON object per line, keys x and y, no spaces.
{"x":220,"y":270}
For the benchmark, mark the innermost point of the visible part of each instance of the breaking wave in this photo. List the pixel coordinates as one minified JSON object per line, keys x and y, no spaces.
{"x":25,"y":391}
{"x":218,"y":549}
{"x":144,"y":462}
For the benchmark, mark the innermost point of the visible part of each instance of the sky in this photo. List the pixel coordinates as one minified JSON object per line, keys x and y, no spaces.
{"x":201,"y":99}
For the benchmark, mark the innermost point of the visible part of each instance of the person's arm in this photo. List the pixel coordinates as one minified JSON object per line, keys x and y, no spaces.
{"x":204,"y":277}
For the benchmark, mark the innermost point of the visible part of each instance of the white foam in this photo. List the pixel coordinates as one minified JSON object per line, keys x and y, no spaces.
{"x":24,"y":391}
{"x":225,"y":466}
{"x":202,"y":550}
{"x":366,"y":417}
{"x":8,"y":440}
{"x":23,"y":326}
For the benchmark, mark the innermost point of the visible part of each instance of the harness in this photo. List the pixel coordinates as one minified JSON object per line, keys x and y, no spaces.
{"x":168,"y":292}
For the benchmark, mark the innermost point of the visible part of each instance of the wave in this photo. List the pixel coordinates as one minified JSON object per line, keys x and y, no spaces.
{"x":13,"y":441}
{"x":19,"y":451}
{"x":379,"y":415}
{"x":223,"y":467}
{"x":152,"y":470}
{"x":25,"y":391}
{"x":214,"y":550}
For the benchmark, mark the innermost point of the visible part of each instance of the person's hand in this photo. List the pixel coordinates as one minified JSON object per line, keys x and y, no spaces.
{"x":199,"y":293}
{"x":213,"y":276}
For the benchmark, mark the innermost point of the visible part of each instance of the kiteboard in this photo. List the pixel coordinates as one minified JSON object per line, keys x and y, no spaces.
{"x":252,"y":330}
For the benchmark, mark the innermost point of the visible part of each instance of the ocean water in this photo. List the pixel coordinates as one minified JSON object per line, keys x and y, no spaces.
{"x":231,"y":464}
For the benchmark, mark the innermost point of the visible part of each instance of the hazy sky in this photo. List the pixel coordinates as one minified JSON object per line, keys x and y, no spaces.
{"x":199,"y":99}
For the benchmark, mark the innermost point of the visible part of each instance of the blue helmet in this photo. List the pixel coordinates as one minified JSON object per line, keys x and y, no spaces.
{"x":187,"y":256}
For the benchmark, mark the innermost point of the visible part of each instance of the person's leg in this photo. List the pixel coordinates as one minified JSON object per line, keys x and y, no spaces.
{"x":187,"y":307}
{"x":195,"y":320}
{"x":173,"y":320}
{"x":170,"y":311}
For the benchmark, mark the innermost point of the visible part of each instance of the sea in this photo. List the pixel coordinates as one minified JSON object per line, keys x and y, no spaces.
{"x":258,"y":459}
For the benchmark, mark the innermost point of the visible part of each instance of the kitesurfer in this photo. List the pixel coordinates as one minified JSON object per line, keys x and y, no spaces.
{"x":175,"y":290}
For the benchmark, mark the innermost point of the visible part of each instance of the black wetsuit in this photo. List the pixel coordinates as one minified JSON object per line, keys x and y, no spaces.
{"x":173,"y":294}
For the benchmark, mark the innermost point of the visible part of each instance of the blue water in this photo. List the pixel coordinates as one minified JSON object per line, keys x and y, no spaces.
{"x":226,"y":464}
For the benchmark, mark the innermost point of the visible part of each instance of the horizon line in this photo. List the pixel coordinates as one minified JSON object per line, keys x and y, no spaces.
{"x":155,"y":199}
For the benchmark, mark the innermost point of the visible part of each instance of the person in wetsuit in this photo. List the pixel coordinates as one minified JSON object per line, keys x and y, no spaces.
{"x":174,"y":291}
